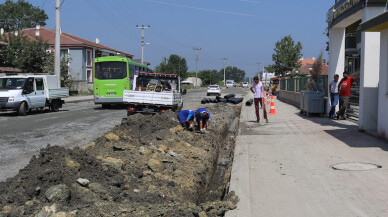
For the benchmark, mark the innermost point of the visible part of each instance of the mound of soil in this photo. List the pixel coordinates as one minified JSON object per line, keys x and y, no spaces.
{"x":146,"y":166}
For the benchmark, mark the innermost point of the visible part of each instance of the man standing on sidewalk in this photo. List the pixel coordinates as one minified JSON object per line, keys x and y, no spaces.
{"x":344,"y":92}
{"x":334,"y":96}
{"x":258,"y":90}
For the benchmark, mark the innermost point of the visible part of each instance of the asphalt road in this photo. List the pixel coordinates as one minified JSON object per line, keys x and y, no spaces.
{"x":75,"y":124}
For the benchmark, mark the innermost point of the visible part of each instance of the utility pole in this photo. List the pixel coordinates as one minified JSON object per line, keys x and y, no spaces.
{"x":258,"y":69}
{"x":196,"y":64}
{"x":142,"y":27}
{"x":57,"y":62}
{"x":224,"y":59}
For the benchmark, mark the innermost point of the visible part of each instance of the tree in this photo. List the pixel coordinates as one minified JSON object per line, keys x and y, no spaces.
{"x":30,"y":56}
{"x":20,"y":15}
{"x":315,"y":72}
{"x":174,"y":65}
{"x":231,"y":73}
{"x":208,"y":77}
{"x":286,"y":57}
{"x":190,"y":74}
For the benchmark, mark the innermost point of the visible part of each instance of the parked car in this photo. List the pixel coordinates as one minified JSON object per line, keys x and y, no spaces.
{"x":214,"y":90}
{"x":245,"y":84}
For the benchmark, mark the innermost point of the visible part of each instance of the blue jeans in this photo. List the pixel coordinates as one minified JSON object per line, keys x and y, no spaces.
{"x":334,"y":101}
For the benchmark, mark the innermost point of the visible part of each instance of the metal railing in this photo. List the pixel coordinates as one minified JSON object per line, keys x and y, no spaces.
{"x":298,"y":84}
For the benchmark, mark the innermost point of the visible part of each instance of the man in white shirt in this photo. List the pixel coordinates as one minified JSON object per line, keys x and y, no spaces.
{"x":258,"y":90}
{"x":334,"y":95}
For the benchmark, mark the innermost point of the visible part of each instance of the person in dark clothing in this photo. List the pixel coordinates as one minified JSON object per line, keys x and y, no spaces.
{"x":186,"y":118}
{"x":202,"y":117}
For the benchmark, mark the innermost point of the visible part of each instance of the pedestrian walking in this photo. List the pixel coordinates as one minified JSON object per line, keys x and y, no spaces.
{"x":186,"y":118}
{"x":202,"y":117}
{"x":334,"y":95}
{"x":258,"y":90}
{"x":344,"y":94}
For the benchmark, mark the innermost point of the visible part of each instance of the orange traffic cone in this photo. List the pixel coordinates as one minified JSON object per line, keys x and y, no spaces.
{"x":268,"y":98}
{"x":272,"y":111}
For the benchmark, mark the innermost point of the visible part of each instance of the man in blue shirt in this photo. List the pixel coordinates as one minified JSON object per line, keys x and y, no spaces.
{"x":186,"y":118}
{"x":202,"y":117}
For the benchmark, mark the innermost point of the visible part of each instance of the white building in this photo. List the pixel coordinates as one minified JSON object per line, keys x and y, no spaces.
{"x":356,"y":45}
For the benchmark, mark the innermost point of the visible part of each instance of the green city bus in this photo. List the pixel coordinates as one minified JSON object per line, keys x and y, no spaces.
{"x":112,"y":75}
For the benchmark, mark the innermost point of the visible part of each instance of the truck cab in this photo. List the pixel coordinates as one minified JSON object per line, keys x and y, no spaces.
{"x":23,"y":93}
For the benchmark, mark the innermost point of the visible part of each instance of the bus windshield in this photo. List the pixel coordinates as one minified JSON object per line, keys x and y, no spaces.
{"x":12,"y":83}
{"x":111,"y":70}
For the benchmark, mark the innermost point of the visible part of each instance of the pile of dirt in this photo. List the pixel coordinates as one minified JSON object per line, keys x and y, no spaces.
{"x":146,"y":166}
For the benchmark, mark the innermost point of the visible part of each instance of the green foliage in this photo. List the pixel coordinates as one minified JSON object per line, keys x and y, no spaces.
{"x":208,"y":77}
{"x":232,"y":73}
{"x":317,"y":70}
{"x":173,"y":65}
{"x":24,"y":54}
{"x":190,"y":74}
{"x":187,"y":86}
{"x":286,"y":57}
{"x":20,"y":15}
{"x":49,"y":65}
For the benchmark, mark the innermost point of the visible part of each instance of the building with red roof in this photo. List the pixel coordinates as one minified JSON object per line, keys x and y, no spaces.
{"x":307,"y":65}
{"x":80,"y":51}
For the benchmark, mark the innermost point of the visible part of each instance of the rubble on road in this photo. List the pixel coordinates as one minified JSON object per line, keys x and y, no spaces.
{"x":146,"y":166}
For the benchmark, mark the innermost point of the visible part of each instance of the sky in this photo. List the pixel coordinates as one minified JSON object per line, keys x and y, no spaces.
{"x":243,"y":31}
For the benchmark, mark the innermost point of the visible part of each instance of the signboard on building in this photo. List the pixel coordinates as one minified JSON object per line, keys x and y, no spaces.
{"x":340,"y":9}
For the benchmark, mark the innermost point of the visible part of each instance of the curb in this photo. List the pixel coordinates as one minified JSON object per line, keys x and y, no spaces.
{"x":240,"y":175}
{"x":78,"y":100}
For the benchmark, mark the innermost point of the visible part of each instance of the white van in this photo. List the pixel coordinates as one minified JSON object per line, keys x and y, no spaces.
{"x":23,"y":93}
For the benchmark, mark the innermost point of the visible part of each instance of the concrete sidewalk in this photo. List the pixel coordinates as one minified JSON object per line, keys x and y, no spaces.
{"x":284,"y":168}
{"x":74,"y":99}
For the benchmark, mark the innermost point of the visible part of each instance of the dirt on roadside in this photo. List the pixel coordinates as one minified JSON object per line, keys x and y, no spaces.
{"x":146,"y":166}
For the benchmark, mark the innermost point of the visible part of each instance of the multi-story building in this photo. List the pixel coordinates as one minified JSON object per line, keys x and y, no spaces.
{"x":358,"y":44}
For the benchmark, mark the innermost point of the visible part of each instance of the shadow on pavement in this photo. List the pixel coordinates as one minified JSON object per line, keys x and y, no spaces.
{"x":348,"y":133}
{"x":358,"y":139}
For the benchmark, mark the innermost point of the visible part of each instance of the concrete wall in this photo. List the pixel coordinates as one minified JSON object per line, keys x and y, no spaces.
{"x":336,"y":57}
{"x":370,"y":68}
{"x":290,"y":97}
{"x":82,"y":86}
{"x":382,"y":121}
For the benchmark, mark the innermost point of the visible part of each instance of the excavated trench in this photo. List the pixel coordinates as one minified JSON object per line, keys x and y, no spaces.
{"x":146,"y":166}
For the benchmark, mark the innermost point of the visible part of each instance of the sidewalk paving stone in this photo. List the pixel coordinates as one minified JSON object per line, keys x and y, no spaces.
{"x":284,"y":168}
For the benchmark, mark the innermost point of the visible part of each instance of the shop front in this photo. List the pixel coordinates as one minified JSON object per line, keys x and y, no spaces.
{"x":357,"y":52}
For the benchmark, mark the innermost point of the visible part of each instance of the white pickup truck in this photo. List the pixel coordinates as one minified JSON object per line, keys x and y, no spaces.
{"x":154,"y":93}
{"x":23,"y":93}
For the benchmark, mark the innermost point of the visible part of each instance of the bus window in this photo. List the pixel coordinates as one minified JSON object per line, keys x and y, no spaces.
{"x":111,"y":70}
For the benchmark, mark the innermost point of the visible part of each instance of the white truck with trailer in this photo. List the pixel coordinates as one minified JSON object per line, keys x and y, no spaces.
{"x":23,"y":93}
{"x":154,"y":93}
